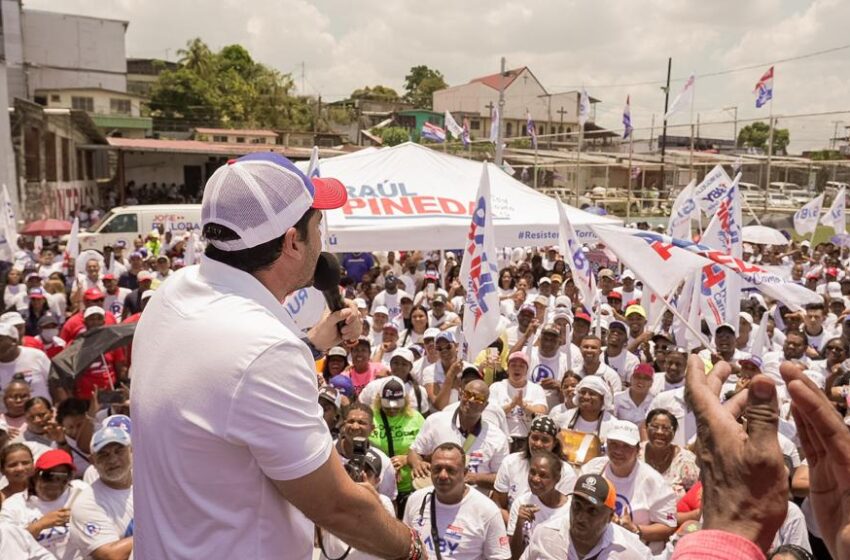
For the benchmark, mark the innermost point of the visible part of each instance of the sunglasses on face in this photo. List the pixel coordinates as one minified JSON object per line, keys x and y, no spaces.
{"x":47,"y":476}
{"x":470,"y":396}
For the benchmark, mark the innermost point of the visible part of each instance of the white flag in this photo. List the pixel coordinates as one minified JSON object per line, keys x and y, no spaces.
{"x":760,"y":344}
{"x":575,"y":258}
{"x":684,"y":209}
{"x":583,"y":108}
{"x":73,"y":248}
{"x":452,"y":126}
{"x":37,"y":245}
{"x":494,"y":125}
{"x":479,"y":274}
{"x":806,"y":218}
{"x":835,"y":217}
{"x":11,"y":220}
{"x":711,"y":190}
{"x":684,"y":99}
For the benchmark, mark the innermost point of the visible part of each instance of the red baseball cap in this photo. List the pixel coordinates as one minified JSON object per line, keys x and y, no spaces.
{"x":93,"y":294}
{"x":584,"y":316}
{"x":615,"y":295}
{"x":54,"y":458}
{"x":108,"y":276}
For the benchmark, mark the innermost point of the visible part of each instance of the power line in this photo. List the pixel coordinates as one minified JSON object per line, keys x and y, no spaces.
{"x":713,"y":74}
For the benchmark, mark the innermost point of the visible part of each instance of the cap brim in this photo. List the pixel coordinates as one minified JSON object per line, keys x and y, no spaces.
{"x":392,"y":403}
{"x":328,"y":193}
{"x":592,"y":499}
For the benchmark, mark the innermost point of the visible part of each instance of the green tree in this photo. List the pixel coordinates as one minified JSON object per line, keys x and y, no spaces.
{"x":393,"y":135}
{"x":420,"y":85}
{"x":755,"y":136}
{"x":228,"y":88}
{"x":377,"y":93}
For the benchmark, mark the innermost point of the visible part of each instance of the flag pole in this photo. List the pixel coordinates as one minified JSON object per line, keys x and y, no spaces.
{"x":769,"y":141}
{"x":688,"y":326}
{"x":629,"y":190}
{"x":578,"y":159}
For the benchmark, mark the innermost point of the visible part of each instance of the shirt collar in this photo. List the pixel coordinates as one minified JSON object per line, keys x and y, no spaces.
{"x":235,"y":281}
{"x":604,"y":542}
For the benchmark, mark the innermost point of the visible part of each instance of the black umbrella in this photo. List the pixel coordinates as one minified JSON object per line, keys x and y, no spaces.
{"x":87,"y":348}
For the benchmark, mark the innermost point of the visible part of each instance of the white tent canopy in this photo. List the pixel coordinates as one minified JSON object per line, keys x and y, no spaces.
{"x":412,"y":197}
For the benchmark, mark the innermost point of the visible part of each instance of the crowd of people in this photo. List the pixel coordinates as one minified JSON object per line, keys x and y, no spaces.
{"x":578,"y":433}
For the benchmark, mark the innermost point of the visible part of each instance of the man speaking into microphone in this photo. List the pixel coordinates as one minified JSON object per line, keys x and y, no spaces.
{"x":232,"y":458}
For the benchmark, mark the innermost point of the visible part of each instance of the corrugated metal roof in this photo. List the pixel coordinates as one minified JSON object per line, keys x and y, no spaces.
{"x":212,"y":148}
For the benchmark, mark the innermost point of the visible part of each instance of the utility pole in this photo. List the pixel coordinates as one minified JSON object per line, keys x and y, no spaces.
{"x":303,"y":73}
{"x":561,"y":112}
{"x":834,"y":139}
{"x":734,"y":110}
{"x":501,"y":108}
{"x":651,"y":132}
{"x":664,"y":128}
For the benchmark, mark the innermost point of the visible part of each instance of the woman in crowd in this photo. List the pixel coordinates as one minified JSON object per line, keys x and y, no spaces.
{"x":592,"y":413}
{"x":418,"y":326}
{"x":42,"y":510}
{"x":507,"y":283}
{"x":568,"y":391}
{"x":512,"y":477}
{"x":677,"y":465}
{"x":16,"y":464}
{"x":335,"y":363}
{"x":15,"y":396}
{"x":35,"y":310}
{"x":72,"y":415}
{"x":542,"y":501}
{"x":397,"y":424}
{"x":14,"y":288}
{"x":42,"y":427}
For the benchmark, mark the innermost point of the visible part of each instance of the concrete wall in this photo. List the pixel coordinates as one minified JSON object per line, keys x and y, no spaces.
{"x":153,"y":167}
{"x":101,"y":99}
{"x":68,"y":51}
{"x":13,"y":49}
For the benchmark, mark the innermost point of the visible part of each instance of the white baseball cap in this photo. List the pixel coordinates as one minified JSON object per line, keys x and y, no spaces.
{"x":403,"y":353}
{"x":360,"y":303}
{"x":261,"y":195}
{"x":381,"y":309}
{"x":8,"y":329}
{"x":93,"y":310}
{"x":621,"y":430}
{"x":432,"y":332}
{"x":12,"y":318}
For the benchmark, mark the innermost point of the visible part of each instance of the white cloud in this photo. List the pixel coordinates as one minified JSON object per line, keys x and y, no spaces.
{"x":346,"y":45}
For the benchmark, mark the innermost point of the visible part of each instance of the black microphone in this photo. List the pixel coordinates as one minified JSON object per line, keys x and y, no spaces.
{"x":326,"y":280}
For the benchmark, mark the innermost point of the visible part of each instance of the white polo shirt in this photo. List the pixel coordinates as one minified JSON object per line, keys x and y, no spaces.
{"x":484,"y":455}
{"x":551,"y":541}
{"x":216,"y":418}
{"x":99,"y":516}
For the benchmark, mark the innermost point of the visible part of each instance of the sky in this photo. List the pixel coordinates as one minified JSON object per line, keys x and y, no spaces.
{"x":605,"y":46}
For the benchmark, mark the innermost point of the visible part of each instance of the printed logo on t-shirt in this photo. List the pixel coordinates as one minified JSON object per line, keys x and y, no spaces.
{"x":474,"y":460}
{"x":540,"y":372}
{"x":27,"y":375}
{"x":622,"y":505}
{"x":454,"y":531}
{"x":446,"y":547}
{"x":92,"y":529}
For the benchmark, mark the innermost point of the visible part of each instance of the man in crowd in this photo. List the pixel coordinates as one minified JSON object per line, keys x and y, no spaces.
{"x":591,"y":351}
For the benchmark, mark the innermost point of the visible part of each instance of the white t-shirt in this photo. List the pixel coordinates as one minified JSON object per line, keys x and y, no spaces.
{"x":512,"y":478}
{"x":114,"y":303}
{"x":471,"y":529}
{"x":34,"y":365}
{"x":793,"y":529}
{"x":448,"y":317}
{"x":391,"y":301}
{"x":335,"y":548}
{"x":213,"y":428}
{"x":644,"y":493}
{"x":502,"y":393}
{"x":486,"y":453}
{"x":23,"y":508}
{"x":624,"y":364}
{"x":552,"y":367}
{"x":626,"y":409}
{"x":543,"y":514}
{"x":493,"y":413}
{"x":100,"y":515}
{"x":16,"y":542}
{"x":611,"y":377}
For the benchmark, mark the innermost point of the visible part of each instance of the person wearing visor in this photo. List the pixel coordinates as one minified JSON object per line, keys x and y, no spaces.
{"x":271,"y":456}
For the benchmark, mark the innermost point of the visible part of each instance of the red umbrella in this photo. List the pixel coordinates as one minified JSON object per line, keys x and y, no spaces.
{"x":47,"y":228}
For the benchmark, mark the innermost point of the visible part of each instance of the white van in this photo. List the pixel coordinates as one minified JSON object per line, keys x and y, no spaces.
{"x":126,"y":223}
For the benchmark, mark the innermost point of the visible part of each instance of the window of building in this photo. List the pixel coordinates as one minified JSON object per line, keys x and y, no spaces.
{"x":32,"y":154}
{"x":55,"y":98}
{"x":258,"y":140}
{"x":122,"y":223}
{"x":219,"y":138}
{"x":82,"y":103}
{"x":510,"y":129}
{"x":240,"y":139}
{"x":40,"y":99}
{"x":66,"y":159}
{"x":119,"y":106}
{"x":474,"y":125}
{"x":50,"y":167}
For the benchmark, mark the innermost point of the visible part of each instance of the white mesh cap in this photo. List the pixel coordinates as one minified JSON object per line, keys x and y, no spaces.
{"x":259,"y":196}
